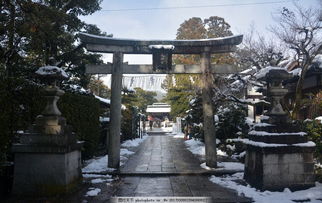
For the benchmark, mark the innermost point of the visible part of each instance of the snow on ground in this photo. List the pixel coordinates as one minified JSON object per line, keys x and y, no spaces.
{"x":133,"y":143}
{"x":236,"y":166}
{"x":93,"y":192}
{"x":86,"y":175}
{"x":101,"y":180}
{"x":198,"y":148}
{"x":126,"y":152}
{"x":178,"y":135}
{"x":97,"y":165}
{"x":313,"y":194}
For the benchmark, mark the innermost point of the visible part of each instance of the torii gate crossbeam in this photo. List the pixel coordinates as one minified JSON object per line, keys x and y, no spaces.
{"x":204,"y":47}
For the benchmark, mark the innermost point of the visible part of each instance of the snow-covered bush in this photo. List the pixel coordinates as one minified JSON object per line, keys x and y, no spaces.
{"x":194,"y":119}
{"x":313,"y":128}
{"x":231,"y":124}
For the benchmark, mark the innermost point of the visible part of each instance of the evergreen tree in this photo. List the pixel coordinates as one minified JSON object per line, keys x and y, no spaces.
{"x":41,"y":32}
{"x":144,"y":98}
{"x":98,"y":88}
{"x":182,"y":88}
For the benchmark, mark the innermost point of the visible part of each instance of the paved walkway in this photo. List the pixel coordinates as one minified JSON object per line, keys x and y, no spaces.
{"x":164,"y":167}
{"x":162,"y":154}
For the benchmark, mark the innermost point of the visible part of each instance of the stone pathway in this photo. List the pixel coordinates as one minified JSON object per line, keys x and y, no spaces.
{"x":164,"y":167}
{"x":180,"y":186}
{"x":162,"y":154}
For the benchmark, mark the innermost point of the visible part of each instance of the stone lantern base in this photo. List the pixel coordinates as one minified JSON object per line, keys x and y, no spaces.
{"x":276,"y":168}
{"x":46,"y":170}
{"x":278,"y":157}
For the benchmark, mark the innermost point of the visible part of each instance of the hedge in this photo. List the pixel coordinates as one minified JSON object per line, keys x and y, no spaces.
{"x":21,"y":101}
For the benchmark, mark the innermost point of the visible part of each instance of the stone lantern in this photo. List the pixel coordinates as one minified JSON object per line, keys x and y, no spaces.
{"x":276,"y":92}
{"x":50,"y":120}
{"x":48,"y":156}
{"x":278,"y":154}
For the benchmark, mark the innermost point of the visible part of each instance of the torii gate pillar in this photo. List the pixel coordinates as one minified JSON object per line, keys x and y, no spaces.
{"x":115,"y":124}
{"x":208,"y":118}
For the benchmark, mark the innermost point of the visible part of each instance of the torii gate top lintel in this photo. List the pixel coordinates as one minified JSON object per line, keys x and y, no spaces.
{"x":133,"y":46}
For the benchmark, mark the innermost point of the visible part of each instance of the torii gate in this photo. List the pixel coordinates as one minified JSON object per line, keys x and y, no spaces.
{"x":162,"y":51}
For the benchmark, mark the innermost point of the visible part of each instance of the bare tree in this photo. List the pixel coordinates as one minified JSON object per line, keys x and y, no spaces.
{"x":258,"y":51}
{"x":300,"y":30}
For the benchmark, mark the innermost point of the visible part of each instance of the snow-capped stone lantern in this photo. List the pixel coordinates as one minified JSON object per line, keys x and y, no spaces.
{"x":49,"y":117}
{"x":48,"y":155}
{"x":278,"y":154}
{"x":275,"y":93}
{"x":162,"y":57}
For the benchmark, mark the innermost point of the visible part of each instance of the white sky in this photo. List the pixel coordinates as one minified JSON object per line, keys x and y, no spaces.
{"x":163,"y":24}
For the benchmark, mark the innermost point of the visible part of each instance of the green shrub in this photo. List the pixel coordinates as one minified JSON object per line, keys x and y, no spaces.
{"x":129,"y":124}
{"x":231,"y":121}
{"x":314,"y":133}
{"x":20,"y":103}
{"x":82,"y":113}
{"x":194,"y":119}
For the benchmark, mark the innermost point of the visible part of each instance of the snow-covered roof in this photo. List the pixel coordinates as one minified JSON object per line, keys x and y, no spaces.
{"x":158,"y":108}
{"x":107,"y":101}
{"x":263,"y":72}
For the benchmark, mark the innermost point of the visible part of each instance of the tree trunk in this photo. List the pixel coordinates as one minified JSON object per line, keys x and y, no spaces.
{"x":299,"y":94}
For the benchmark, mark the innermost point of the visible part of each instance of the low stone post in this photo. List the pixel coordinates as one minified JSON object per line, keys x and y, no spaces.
{"x":278,"y":154}
{"x":48,"y":156}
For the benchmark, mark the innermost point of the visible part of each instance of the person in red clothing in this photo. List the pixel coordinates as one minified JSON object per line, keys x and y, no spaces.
{"x":150,"y":119}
